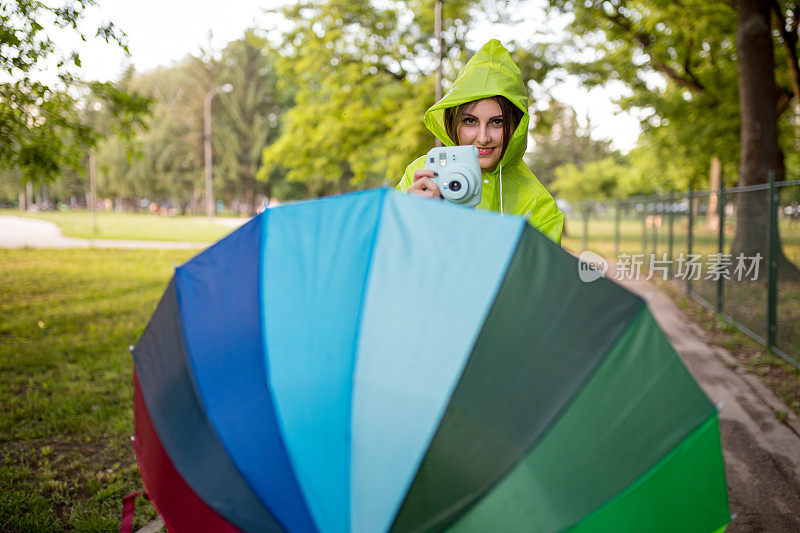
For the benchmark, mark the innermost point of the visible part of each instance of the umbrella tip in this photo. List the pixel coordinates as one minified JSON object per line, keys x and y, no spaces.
{"x":720,"y":405}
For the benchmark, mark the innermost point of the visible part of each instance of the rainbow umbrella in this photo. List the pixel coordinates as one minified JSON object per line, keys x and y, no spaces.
{"x":379,"y":362}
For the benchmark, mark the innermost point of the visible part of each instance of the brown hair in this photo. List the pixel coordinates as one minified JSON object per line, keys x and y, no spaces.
{"x":511,"y":117}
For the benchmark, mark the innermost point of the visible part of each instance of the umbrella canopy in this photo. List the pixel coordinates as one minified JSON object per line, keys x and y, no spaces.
{"x":380,"y":362}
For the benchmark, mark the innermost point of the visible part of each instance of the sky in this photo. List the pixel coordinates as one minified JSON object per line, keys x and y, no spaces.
{"x":163,"y":32}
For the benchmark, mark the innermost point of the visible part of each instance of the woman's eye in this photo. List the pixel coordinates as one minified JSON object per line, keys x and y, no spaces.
{"x":498,"y":122}
{"x":469,"y":120}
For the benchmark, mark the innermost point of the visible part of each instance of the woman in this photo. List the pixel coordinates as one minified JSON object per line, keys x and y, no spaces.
{"x":486,"y":106}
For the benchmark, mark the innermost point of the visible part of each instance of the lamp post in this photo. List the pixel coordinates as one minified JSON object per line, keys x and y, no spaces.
{"x":437,"y":29}
{"x":207,"y":137}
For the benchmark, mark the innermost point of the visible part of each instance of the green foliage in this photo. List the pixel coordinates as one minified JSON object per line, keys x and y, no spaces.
{"x":247,"y":119}
{"x":786,"y":22}
{"x":124,"y":109}
{"x":579,"y":167}
{"x":597,"y":179}
{"x":361,"y":92}
{"x":561,"y":141}
{"x":654,"y":170}
{"x":678,"y":62}
{"x":11,"y":184}
{"x":647,"y":169}
{"x":165,"y":159}
{"x":337,"y":105}
{"x":791,"y":132}
{"x":43,"y":126}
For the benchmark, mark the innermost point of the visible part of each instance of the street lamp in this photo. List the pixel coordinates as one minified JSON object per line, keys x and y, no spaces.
{"x":437,"y":29}
{"x":207,"y":123}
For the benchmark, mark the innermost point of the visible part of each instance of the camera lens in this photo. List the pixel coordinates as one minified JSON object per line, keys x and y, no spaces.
{"x":454,"y":186}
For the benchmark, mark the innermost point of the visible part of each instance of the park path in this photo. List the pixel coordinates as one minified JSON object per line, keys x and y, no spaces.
{"x":19,"y":232}
{"x":762,"y":454}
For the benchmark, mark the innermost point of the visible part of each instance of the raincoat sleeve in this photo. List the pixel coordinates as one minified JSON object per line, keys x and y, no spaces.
{"x":551,"y":227}
{"x":543,"y":213}
{"x":408,"y":176}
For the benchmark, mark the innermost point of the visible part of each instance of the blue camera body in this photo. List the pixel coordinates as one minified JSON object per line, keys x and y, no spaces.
{"x":459,"y":173}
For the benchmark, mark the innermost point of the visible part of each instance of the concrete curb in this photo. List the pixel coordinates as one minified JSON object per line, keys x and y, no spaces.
{"x":153,"y":527}
{"x":760,"y":389}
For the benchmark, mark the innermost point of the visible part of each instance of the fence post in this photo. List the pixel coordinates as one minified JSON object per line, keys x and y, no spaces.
{"x":671,"y":217}
{"x":690,"y":236}
{"x":772,"y":272}
{"x":653,"y":222}
{"x":617,"y":210}
{"x":585,"y":225}
{"x":644,"y":226}
{"x":720,"y":240}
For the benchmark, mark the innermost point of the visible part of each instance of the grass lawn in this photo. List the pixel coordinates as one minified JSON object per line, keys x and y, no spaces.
{"x":130,"y":226}
{"x":67,"y":318}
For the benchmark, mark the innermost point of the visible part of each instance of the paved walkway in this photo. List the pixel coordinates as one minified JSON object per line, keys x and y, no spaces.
{"x":762,"y":454}
{"x":19,"y":232}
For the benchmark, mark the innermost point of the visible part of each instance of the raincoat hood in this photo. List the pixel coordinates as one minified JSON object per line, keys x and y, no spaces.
{"x":490,"y":72}
{"x":511,"y":188}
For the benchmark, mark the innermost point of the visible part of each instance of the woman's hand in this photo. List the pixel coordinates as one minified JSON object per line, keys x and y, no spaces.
{"x":423,"y":184}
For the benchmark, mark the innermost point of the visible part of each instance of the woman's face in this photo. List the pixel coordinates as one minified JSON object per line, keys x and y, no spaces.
{"x":482,"y":127}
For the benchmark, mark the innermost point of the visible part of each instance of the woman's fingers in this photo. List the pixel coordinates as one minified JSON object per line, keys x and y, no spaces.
{"x":423,"y":173}
{"x":424,"y":186}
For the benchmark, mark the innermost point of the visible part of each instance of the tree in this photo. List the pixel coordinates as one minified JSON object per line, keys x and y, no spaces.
{"x":760,"y":100}
{"x":596,"y":179}
{"x":42,"y":127}
{"x":642,"y":171}
{"x":759,"y":144}
{"x":786,"y":19}
{"x":247,"y":119}
{"x":363,"y":83}
{"x":163,"y":159}
{"x":676,"y":59}
{"x":559,"y":140}
{"x":693,"y":46}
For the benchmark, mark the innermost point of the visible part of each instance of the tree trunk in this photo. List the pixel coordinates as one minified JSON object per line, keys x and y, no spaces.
{"x":195,"y":203}
{"x":759,"y":138}
{"x":714,"y":181}
{"x":249,"y":183}
{"x":249,"y":199}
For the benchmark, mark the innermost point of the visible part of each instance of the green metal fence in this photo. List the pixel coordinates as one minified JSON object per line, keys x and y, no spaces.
{"x":750,"y":275}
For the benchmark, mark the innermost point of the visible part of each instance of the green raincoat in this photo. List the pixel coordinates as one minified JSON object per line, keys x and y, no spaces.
{"x":492,"y":72}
